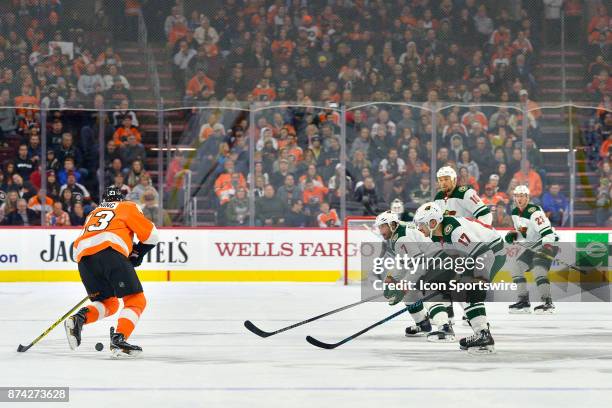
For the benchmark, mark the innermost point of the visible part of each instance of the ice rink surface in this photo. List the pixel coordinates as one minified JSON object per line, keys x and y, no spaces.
{"x":197,"y":352}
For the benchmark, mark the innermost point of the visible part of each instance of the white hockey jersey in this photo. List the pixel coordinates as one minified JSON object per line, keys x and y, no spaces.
{"x":463,"y":201}
{"x":469,"y":237}
{"x":533,"y":225}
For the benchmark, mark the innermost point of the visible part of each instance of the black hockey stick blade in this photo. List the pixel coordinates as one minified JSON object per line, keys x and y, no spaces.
{"x":261,"y":333}
{"x":329,"y":346}
{"x":23,"y":349}
{"x":320,"y":344}
{"x":256,"y":330}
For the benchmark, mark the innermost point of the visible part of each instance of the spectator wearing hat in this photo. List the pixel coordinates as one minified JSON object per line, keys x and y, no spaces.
{"x":279,"y":176}
{"x":532,"y":107}
{"x":491,"y":196}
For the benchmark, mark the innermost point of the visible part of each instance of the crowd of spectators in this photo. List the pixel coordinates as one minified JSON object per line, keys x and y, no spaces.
{"x":599,"y":127}
{"x":400,"y":51}
{"x":47,"y":62}
{"x":353,"y":51}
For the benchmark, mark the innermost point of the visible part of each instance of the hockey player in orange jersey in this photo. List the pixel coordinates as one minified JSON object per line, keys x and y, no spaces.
{"x":106,"y":257}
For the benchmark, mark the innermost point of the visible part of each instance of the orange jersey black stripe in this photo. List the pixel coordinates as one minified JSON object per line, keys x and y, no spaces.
{"x":113,"y":224}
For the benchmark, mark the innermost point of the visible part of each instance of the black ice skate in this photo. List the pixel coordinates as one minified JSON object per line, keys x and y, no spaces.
{"x":520,"y":307}
{"x":444,"y":335}
{"x":479,"y":343}
{"x":546,"y":308}
{"x":74,"y":326}
{"x":121,"y":348}
{"x":419,"y":329}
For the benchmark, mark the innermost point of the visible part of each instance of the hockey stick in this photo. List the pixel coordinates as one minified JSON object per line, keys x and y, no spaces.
{"x":23,"y":349}
{"x":552,"y":258}
{"x":261,"y":333}
{"x":329,"y":346}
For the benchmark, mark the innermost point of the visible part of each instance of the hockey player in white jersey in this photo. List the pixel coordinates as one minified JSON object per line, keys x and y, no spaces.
{"x":459,"y":201}
{"x":404,"y":239}
{"x":533,"y":229}
{"x":479,"y":242}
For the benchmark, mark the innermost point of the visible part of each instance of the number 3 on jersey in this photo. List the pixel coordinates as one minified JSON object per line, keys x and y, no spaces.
{"x":104,"y":218}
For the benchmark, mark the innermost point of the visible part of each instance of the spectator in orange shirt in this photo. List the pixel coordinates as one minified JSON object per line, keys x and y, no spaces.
{"x":121,"y":134}
{"x":491,"y":196}
{"x":474,"y":115}
{"x":228,"y":182}
{"x":35,"y":203}
{"x":314,"y":194}
{"x":58,"y":217}
{"x":26,"y":100}
{"x":327,"y":218}
{"x":263,"y":91}
{"x":606,"y":146}
{"x":531,"y":179}
{"x":200,"y":82}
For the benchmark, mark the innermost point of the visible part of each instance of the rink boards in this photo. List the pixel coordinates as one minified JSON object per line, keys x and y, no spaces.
{"x":224,"y":254}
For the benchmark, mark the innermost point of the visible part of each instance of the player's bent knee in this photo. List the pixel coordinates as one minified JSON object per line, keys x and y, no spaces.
{"x":112,"y":305}
{"x":136,"y":302}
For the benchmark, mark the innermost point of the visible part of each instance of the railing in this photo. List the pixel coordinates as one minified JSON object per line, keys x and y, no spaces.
{"x":569,"y":148}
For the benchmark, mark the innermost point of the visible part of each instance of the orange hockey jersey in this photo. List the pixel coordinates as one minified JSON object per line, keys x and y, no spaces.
{"x":113,"y":224}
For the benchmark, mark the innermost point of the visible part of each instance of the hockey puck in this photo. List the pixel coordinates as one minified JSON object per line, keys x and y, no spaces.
{"x":99,"y":346}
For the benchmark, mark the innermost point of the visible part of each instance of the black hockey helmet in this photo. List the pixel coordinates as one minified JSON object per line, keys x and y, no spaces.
{"x":112,"y":193}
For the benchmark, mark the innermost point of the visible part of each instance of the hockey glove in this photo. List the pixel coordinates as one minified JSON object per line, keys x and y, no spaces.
{"x":394,"y":295}
{"x":139,"y":251}
{"x":549,"y":250}
{"x":511,"y":236}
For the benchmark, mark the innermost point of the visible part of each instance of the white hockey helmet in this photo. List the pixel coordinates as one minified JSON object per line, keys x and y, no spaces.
{"x":386,"y":217}
{"x":397,"y":206}
{"x":521,"y":190}
{"x":427,"y":212}
{"x":447,"y":171}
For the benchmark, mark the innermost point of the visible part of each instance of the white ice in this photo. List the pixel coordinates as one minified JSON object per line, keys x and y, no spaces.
{"x":198,"y":354}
